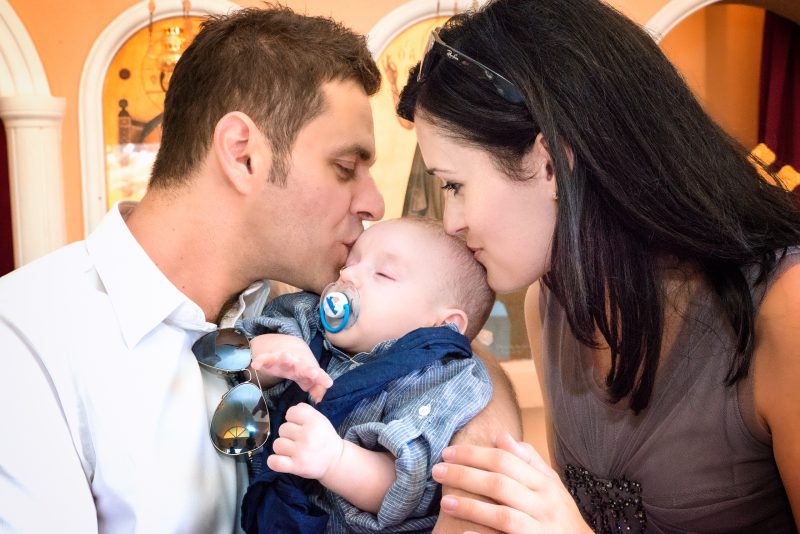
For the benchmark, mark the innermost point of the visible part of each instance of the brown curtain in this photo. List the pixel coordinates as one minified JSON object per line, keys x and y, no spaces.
{"x":6,"y":245}
{"x":779,"y":106}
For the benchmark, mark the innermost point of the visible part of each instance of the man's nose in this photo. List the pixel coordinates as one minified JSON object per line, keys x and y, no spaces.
{"x":368,"y":202}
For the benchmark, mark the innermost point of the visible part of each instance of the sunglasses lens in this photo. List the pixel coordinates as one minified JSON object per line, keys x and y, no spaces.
{"x":426,"y":61}
{"x":241,"y":422}
{"x":226,"y":349}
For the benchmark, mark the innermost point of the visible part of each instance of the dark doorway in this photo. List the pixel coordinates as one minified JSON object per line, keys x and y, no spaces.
{"x":6,"y":243}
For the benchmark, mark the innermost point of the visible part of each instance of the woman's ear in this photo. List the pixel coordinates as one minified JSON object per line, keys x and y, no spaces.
{"x":538,"y":158}
{"x":455,"y":316}
{"x":241,"y":151}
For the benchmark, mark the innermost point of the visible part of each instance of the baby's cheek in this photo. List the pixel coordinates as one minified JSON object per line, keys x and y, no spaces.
{"x":342,"y":339}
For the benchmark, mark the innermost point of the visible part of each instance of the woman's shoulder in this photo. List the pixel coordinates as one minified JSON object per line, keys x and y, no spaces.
{"x":777,"y":350}
{"x":776,"y":369}
{"x":786,"y":260}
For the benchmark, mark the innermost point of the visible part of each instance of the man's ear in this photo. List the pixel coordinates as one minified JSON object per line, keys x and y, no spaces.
{"x":455,"y":316}
{"x":242,"y":151}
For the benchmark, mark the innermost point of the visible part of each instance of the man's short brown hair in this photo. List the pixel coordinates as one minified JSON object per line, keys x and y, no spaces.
{"x":267,"y":63}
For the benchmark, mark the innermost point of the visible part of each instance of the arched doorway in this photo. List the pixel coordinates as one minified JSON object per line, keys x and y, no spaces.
{"x":90,"y":96}
{"x":675,"y":11}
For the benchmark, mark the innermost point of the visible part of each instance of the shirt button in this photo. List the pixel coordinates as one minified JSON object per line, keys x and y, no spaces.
{"x":424,"y":410}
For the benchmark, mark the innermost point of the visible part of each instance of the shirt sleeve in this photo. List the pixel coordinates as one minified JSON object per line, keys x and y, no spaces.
{"x":421,"y":412}
{"x":42,"y":482}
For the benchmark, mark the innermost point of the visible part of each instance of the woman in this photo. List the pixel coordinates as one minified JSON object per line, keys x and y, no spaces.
{"x":573,"y":152}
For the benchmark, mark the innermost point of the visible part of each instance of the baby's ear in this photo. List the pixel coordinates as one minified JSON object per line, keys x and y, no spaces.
{"x":455,"y":316}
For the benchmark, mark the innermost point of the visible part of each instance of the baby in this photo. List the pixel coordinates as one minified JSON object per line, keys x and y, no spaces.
{"x":399,"y":380}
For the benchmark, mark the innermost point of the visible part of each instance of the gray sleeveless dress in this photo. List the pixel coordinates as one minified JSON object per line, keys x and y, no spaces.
{"x":694,"y":461}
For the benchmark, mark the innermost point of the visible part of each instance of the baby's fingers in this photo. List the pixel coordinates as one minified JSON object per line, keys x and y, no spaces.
{"x":280,"y":464}
{"x":317,"y":392}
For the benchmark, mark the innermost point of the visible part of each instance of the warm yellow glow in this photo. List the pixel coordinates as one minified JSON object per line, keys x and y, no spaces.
{"x":236,"y":432}
{"x":136,"y":75}
{"x":394,"y":141}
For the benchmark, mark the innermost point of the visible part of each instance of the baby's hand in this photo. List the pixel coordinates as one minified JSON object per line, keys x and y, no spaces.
{"x":283,"y":356}
{"x":308,"y":445}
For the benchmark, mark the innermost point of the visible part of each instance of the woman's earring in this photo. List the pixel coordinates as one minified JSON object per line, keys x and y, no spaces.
{"x":555,"y":195}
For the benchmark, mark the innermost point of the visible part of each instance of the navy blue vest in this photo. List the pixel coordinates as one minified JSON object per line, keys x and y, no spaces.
{"x":279,"y":502}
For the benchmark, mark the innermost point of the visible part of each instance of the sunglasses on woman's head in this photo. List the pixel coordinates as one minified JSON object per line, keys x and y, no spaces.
{"x":240,"y":424}
{"x":437,"y":48}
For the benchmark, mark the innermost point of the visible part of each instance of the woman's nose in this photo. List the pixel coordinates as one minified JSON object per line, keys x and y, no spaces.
{"x":453,"y":219}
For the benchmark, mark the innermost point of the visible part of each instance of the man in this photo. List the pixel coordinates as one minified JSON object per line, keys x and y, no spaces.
{"x":263,"y":173}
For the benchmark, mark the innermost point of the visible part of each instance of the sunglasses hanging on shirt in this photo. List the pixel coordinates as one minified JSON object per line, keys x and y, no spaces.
{"x":240,"y":424}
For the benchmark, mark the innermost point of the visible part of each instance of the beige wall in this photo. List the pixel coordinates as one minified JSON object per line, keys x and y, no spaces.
{"x":718,"y":51}
{"x":64,"y":32}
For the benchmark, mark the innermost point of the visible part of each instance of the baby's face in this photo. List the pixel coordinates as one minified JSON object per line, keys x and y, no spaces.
{"x":395,"y":266}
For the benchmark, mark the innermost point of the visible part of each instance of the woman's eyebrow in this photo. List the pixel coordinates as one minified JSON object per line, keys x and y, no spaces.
{"x":436,"y":170}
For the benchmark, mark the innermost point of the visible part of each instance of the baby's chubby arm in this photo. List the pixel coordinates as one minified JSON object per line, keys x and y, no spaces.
{"x":280,"y":356}
{"x":309,"y":447}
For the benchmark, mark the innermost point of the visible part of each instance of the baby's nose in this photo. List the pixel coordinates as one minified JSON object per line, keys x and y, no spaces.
{"x":347,"y":274}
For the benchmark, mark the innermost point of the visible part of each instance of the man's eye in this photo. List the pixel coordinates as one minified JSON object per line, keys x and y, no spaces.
{"x":345,"y":171}
{"x":452,"y":186}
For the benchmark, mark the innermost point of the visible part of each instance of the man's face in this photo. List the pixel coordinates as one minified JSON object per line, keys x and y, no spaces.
{"x":397,"y":269}
{"x":311,"y":223}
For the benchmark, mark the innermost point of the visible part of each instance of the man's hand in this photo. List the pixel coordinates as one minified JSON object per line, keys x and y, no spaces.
{"x":308,"y":445}
{"x":283,"y":356}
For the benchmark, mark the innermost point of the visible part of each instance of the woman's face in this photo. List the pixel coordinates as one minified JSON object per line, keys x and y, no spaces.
{"x":508,"y":224}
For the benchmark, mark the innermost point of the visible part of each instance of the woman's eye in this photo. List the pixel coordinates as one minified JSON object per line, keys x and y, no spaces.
{"x":452,"y":186}
{"x":384,"y":275}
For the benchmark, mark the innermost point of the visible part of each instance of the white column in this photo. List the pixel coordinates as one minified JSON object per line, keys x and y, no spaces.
{"x":33,"y":131}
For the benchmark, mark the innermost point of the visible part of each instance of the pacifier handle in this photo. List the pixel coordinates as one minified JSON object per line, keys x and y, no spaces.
{"x":329,"y":328}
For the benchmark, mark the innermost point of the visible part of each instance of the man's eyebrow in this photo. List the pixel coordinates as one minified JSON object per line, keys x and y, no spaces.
{"x":360,"y":151}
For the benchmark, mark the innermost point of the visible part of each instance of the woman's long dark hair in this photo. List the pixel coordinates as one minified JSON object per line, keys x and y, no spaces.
{"x":653,"y":176}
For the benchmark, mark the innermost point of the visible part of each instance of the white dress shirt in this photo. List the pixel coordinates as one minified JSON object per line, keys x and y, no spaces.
{"x":104,"y":409}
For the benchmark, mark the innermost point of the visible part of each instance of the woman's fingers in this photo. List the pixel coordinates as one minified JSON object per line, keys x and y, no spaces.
{"x":528,"y":495}
{"x":499,"y":517}
{"x":497,"y":461}
{"x":501,"y":488}
{"x":526,"y":452}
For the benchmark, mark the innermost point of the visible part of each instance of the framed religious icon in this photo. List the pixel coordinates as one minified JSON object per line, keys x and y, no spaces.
{"x":133,"y":103}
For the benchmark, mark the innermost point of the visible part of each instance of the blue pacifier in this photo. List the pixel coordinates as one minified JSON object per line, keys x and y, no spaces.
{"x":338,"y":306}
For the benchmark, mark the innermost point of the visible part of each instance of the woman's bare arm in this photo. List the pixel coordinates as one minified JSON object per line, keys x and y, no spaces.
{"x":776,"y":377}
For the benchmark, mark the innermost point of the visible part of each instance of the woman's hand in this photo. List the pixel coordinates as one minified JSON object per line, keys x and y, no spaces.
{"x":528,"y":496}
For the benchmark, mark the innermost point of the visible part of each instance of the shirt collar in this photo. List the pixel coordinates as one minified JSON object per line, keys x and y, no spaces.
{"x":249,"y":305}
{"x":141,"y":296}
